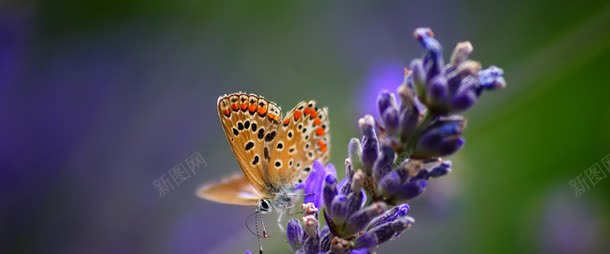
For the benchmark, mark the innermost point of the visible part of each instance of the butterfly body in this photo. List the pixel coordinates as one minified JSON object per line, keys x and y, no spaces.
{"x":274,"y":152}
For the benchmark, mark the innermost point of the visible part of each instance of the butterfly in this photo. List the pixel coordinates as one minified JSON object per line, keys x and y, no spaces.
{"x":275,"y":153}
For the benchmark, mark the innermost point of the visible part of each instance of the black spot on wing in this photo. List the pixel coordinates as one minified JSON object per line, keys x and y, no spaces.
{"x":266,"y":153}
{"x":249,"y":145}
{"x":270,"y":136}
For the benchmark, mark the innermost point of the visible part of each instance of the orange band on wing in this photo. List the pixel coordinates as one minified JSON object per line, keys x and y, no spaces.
{"x":252,"y":108}
{"x":297,"y":115}
{"x":319,"y":131}
{"x":273,"y":117}
{"x":323,"y":146}
{"x":262,"y":111}
{"x":314,"y":114}
{"x":307,"y":111}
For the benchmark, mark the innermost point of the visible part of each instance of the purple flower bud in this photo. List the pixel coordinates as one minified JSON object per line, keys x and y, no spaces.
{"x":310,"y":226}
{"x":355,"y":201}
{"x":437,"y":92}
{"x":383,"y":165}
{"x":411,"y":189}
{"x":441,"y":169}
{"x":367,"y":126}
{"x":355,"y":155}
{"x":419,"y":76}
{"x":359,"y":251}
{"x":403,"y":170}
{"x":391,"y":229}
{"x":329,"y":190}
{"x":390,"y":183}
{"x":440,"y":138}
{"x":391,"y":215}
{"x":338,"y":209}
{"x":345,"y":186}
{"x":339,"y":246}
{"x":465,"y":69}
{"x":314,"y":183}
{"x":409,"y":118}
{"x":294,"y":233}
{"x":408,"y":168}
{"x":421,"y":175}
{"x":491,"y":78}
{"x":325,"y":238}
{"x":463,"y":100}
{"x":311,"y":245}
{"x":460,"y":53}
{"x":386,"y":100}
{"x":248,"y":252}
{"x":433,"y":59}
{"x":433,"y":65}
{"x":390,"y":120}
{"x":358,"y":181}
{"x":370,"y":146}
{"x":450,"y":146}
{"x":368,"y":240}
{"x":361,"y":218}
{"x":407,"y":90}
{"x":426,"y":38}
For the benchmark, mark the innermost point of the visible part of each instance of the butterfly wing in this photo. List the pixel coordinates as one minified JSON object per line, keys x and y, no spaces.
{"x":233,"y":190}
{"x":248,"y":121}
{"x":304,"y":136}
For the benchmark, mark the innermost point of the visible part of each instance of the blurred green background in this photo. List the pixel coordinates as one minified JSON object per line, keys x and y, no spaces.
{"x":100,"y":98}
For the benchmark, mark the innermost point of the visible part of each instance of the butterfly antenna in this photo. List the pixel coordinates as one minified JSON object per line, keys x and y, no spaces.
{"x":263,"y":224}
{"x":247,"y":224}
{"x":258,"y":238}
{"x":257,"y":232}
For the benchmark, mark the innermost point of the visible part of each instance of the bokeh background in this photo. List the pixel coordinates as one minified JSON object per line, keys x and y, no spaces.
{"x":100,"y":98}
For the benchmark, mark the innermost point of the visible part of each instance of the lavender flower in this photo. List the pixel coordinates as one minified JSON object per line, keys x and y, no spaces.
{"x":396,"y":157}
{"x":364,"y":230}
{"x":313,"y":184}
{"x":451,"y":88}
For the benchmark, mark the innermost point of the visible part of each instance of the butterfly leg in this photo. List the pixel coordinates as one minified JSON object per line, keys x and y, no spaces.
{"x":257,"y":217}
